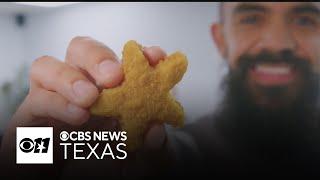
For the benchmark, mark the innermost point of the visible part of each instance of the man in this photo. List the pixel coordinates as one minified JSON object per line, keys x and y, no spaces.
{"x":268,"y":121}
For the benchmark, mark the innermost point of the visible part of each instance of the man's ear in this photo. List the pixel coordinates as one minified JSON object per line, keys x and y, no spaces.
{"x":218,"y":38}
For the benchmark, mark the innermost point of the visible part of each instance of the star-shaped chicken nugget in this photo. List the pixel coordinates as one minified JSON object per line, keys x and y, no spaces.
{"x":143,"y":97}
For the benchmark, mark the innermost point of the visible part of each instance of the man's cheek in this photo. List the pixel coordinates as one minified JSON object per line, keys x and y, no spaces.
{"x":232,"y":55}
{"x":236,"y":49}
{"x":310,"y":49}
{"x":316,"y":61}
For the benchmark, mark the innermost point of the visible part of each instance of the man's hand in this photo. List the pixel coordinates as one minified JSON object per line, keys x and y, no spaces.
{"x":62,"y":92}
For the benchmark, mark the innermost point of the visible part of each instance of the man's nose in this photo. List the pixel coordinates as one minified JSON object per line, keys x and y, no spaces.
{"x":277,"y":37}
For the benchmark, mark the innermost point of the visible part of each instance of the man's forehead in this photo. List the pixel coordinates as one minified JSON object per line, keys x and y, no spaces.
{"x":229,"y":6}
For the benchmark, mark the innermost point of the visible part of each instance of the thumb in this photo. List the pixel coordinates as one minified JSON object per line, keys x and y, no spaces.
{"x":155,"y":137}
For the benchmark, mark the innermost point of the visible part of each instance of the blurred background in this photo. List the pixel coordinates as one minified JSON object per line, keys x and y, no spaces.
{"x":31,"y":30}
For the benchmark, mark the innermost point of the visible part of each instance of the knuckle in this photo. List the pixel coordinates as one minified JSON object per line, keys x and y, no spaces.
{"x":77,"y":43}
{"x":35,"y":95}
{"x":29,"y":102}
{"x":29,"y":97}
{"x":62,"y":72}
{"x":65,"y":74}
{"x":83,"y":44}
{"x":80,"y":39}
{"x":33,"y":100}
{"x":37,"y":64}
{"x":41,"y":59}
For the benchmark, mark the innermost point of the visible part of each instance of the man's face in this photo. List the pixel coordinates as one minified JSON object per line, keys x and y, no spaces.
{"x":278,"y":41}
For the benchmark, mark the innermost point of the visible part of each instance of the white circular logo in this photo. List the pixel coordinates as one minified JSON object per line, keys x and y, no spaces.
{"x":64,"y":136}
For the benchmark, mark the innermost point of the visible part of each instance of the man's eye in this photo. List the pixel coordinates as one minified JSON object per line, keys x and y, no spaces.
{"x":254,"y":19}
{"x":305,"y":21}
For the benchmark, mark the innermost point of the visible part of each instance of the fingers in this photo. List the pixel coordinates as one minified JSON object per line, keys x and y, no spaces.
{"x":53,"y":75}
{"x":47,"y":104}
{"x":100,"y":62}
{"x":155,"y":137}
{"x":154,"y":54}
{"x":97,"y":59}
{"x":64,"y":91}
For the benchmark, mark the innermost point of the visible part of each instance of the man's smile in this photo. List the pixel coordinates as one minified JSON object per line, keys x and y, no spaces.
{"x":273,"y":74}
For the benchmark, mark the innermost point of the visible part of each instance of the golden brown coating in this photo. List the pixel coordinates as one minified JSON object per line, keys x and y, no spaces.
{"x":143,"y":96}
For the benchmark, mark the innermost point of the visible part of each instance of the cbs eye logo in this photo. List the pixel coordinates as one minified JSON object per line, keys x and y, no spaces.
{"x":38,"y":145}
{"x":34,"y":145}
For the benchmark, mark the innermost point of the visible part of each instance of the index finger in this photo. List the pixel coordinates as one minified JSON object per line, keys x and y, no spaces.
{"x":96,"y":59}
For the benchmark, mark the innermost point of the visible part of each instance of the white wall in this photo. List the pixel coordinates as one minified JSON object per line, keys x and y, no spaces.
{"x":12,"y":50}
{"x":12,"y":57}
{"x":173,"y":26}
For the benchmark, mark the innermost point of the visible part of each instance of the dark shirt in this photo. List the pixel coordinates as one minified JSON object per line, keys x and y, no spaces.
{"x":207,"y":147}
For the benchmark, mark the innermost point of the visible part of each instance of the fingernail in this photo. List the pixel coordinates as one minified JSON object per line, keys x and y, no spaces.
{"x":83,"y":88}
{"x":110,"y":71}
{"x":106,"y":67}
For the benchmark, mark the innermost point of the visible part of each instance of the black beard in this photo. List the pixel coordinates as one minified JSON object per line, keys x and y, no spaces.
{"x":247,"y":124}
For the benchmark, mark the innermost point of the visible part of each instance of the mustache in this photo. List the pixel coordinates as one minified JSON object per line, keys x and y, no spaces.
{"x":247,"y":61}
{"x":239,"y":108}
{"x":236,"y":85}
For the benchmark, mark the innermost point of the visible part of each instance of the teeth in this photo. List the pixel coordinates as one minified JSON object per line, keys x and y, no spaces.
{"x":276,"y":70}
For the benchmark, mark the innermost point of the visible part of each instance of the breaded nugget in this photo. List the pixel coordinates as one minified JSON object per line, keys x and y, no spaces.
{"x":143,"y":97}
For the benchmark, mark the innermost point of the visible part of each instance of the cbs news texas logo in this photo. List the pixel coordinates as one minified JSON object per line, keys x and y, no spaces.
{"x":34,"y":145}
